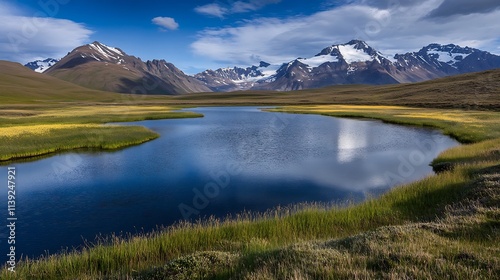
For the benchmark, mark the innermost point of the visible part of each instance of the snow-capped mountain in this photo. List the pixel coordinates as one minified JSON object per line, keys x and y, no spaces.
{"x":102,"y":67}
{"x":351,"y":63}
{"x":41,"y":66}
{"x":357,"y":63}
{"x":449,"y":59}
{"x":237,"y":78}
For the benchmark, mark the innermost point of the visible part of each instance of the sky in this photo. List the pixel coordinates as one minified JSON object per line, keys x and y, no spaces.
{"x":200,"y":35}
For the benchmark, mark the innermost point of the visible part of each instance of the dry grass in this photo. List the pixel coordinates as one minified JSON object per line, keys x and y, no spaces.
{"x":38,"y":130}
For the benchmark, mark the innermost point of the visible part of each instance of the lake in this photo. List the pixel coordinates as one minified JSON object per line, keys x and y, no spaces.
{"x":234,"y":159}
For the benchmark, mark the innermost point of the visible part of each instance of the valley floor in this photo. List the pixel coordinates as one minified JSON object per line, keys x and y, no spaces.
{"x":444,"y":226}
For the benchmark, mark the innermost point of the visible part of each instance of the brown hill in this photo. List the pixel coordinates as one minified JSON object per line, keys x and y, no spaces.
{"x":19,"y":84}
{"x":101,"y":67}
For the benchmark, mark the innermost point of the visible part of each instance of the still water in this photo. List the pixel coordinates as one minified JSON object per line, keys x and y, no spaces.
{"x":233,"y":159}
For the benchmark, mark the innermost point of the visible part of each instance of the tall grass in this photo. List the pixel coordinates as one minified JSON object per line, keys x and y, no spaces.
{"x":64,"y":138}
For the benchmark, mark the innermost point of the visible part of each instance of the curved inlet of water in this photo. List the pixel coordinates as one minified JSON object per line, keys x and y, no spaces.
{"x":233,"y":159}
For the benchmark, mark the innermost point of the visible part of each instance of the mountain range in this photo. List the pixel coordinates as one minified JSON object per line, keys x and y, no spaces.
{"x":354,"y":63}
{"x":101,"y":67}
{"x":98,"y":66}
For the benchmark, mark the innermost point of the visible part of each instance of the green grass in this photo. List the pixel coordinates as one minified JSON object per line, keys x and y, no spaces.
{"x":69,"y":116}
{"x":102,"y":138}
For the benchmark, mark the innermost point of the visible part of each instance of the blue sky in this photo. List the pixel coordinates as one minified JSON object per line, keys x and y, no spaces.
{"x":197,"y":35}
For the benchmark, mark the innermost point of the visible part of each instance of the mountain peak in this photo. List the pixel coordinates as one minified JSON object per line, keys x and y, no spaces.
{"x":359,"y":44}
{"x":41,"y":66}
{"x":105,"y":50}
{"x":353,"y":51}
{"x":451,"y":48}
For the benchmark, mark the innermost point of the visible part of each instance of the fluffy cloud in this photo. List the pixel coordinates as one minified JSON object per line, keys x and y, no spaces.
{"x":166,"y":23}
{"x":391,"y":28}
{"x":220,"y":10}
{"x":24,"y":38}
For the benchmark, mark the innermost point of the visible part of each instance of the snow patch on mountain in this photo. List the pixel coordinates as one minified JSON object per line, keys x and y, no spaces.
{"x":269,"y":71}
{"x":351,"y":54}
{"x":316,"y":61}
{"x":106,"y":51}
{"x":448,"y":57}
{"x":41,"y":66}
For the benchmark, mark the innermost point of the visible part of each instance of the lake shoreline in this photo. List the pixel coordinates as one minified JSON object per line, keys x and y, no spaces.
{"x":473,"y":162}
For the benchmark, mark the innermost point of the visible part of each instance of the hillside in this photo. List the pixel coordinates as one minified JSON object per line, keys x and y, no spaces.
{"x":20,"y":85}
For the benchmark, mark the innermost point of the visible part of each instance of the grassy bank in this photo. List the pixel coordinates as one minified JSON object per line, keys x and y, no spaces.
{"x":29,"y":132}
{"x":443,"y":226}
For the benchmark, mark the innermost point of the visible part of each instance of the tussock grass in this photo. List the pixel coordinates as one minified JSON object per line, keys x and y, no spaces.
{"x":481,"y":151}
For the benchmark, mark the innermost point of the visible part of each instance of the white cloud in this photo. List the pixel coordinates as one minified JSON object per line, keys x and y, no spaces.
{"x":219,"y":10}
{"x":391,"y":29}
{"x":24,"y":38}
{"x":166,"y":23}
{"x":214,"y":10}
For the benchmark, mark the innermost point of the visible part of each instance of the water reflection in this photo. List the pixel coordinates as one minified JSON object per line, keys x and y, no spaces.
{"x":352,"y":139}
